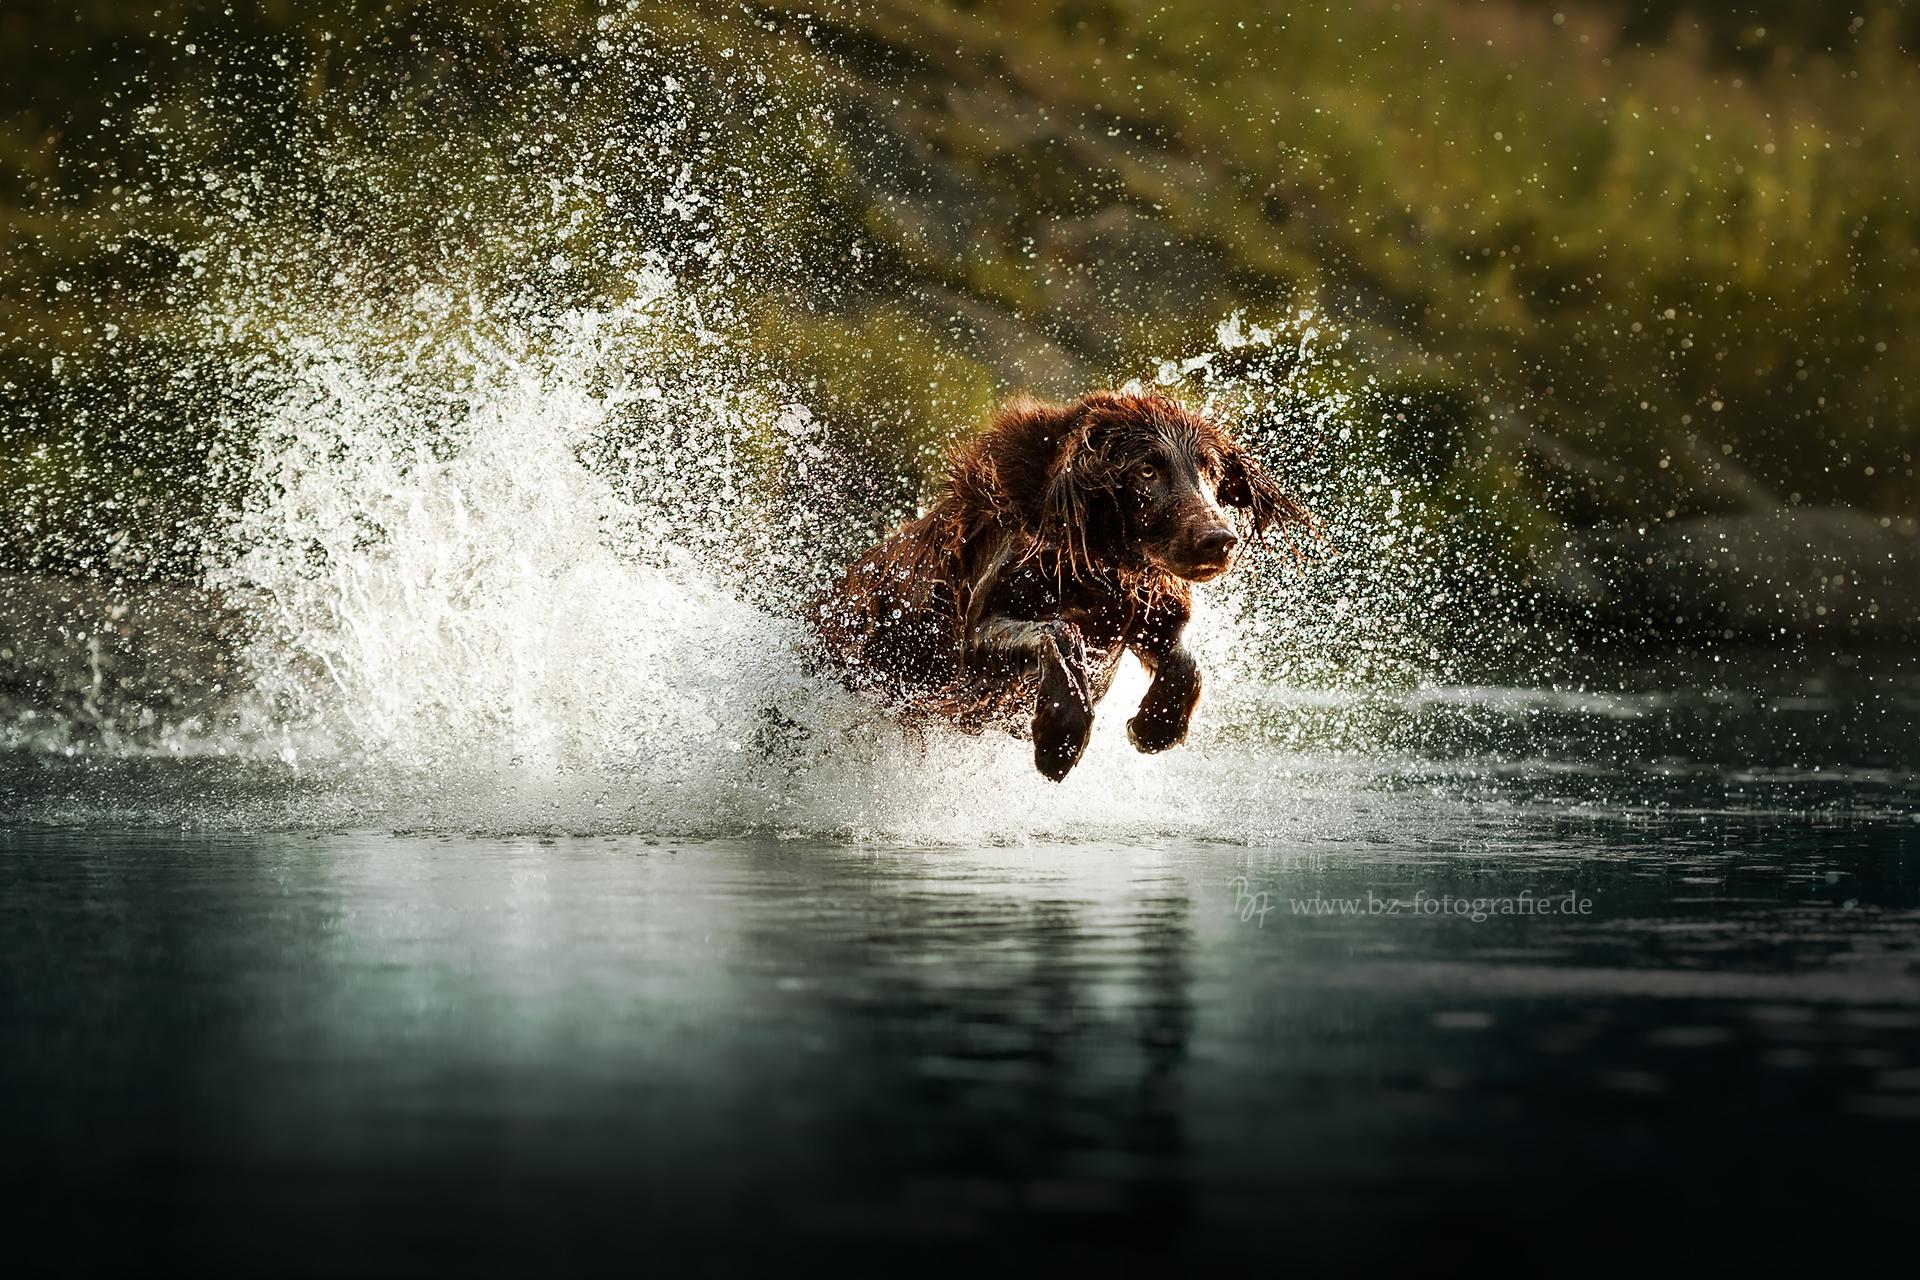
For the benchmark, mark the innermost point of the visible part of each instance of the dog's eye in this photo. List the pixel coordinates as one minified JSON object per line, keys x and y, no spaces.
{"x":1148,"y":473}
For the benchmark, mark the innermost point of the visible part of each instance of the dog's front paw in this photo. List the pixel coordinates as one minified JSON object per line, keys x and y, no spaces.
{"x":1060,"y":734}
{"x":1063,"y":713}
{"x":1167,"y":710}
{"x":1154,"y":734}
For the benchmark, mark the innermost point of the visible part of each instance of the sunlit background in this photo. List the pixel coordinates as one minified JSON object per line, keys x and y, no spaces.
{"x":1599,"y":263}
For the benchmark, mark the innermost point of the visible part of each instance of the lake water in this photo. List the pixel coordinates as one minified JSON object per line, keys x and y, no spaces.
{"x":255,"y":1020}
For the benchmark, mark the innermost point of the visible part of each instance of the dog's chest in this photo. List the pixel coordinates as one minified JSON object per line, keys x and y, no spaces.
{"x":1106,"y":626}
{"x":1107,"y":614}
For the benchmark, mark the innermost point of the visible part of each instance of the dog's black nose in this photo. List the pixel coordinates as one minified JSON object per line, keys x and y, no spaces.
{"x":1216,"y":544}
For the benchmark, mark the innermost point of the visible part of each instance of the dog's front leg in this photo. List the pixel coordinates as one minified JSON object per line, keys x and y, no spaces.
{"x":1168,"y":707}
{"x":1063,"y":712}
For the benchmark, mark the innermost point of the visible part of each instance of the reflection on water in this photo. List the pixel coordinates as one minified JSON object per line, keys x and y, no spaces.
{"x":493,"y":1054}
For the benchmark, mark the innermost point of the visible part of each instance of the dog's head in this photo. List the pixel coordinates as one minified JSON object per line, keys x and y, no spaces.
{"x":1140,"y":482}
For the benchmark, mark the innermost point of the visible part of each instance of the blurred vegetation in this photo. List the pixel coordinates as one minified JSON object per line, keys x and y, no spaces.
{"x":1597,"y":261}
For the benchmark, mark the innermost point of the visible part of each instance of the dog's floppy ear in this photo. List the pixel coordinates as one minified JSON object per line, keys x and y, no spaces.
{"x":1245,"y":484}
{"x":1073,"y":515}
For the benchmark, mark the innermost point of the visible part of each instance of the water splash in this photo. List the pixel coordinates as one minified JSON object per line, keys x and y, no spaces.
{"x":564,"y":598}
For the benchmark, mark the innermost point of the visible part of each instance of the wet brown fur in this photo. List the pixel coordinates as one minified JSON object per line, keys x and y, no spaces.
{"x":1065,"y":536}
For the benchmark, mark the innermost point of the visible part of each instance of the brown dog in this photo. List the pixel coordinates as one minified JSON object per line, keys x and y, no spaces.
{"x":1067,"y":534}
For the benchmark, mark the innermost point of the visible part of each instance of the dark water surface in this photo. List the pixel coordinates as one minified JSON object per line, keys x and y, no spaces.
{"x":327,"y":1052}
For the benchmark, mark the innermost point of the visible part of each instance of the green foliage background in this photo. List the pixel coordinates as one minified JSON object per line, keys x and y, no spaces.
{"x":1599,"y":261}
